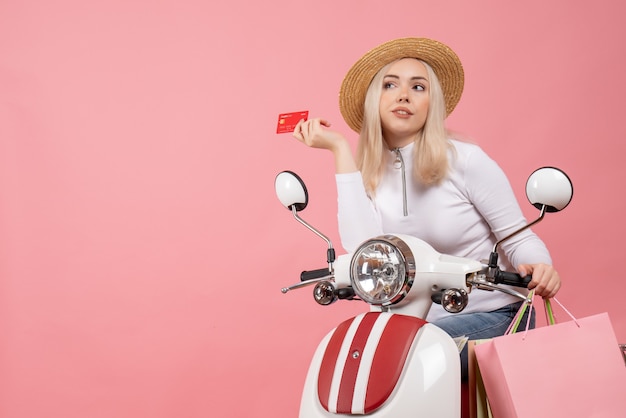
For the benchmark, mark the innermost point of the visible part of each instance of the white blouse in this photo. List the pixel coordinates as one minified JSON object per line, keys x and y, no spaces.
{"x":464,"y":216}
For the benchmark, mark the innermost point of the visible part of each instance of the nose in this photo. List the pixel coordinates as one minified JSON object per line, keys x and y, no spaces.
{"x":403,"y":95}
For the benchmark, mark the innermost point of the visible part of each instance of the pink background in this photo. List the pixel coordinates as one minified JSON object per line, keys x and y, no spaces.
{"x":141,"y":245}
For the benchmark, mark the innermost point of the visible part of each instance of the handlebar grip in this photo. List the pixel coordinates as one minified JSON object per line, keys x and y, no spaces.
{"x":313,"y":274}
{"x":512,"y":279}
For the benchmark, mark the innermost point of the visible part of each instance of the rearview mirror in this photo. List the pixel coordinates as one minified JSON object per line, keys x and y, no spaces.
{"x":291,"y":190}
{"x":549,"y":187}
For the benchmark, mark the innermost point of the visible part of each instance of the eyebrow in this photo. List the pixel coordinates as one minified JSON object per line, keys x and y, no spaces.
{"x":411,"y":79}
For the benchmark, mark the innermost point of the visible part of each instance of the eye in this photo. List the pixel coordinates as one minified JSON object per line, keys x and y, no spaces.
{"x":419,"y":87}
{"x":387,"y":85}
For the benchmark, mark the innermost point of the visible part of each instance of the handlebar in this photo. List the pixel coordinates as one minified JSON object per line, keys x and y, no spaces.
{"x":314,"y":274}
{"x":512,"y":279}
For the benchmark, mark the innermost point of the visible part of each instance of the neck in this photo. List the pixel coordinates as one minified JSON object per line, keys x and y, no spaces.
{"x":394,"y":142}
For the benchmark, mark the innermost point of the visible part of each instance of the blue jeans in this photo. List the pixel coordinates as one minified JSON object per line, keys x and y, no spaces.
{"x":479,"y":325}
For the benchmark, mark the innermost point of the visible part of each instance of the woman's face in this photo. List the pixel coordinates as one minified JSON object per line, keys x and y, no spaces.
{"x":404,"y":101}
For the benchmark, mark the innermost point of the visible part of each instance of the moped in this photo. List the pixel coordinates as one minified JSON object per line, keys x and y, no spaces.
{"x":389,"y":361}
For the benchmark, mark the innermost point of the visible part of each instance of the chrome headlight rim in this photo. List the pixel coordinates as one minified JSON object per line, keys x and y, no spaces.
{"x":406,"y":258}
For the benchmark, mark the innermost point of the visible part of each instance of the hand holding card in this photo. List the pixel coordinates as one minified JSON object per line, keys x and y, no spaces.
{"x":287,"y":121}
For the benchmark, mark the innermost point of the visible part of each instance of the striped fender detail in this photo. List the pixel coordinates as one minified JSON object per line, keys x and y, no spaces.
{"x":364,"y":360}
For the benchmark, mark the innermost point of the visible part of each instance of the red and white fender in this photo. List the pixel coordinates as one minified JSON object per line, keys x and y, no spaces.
{"x":360,"y":366}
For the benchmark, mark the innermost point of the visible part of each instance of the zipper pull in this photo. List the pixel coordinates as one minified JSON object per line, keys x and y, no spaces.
{"x":398,"y":162}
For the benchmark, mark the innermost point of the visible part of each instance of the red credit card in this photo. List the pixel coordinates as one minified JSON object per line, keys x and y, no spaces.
{"x":287,"y":121}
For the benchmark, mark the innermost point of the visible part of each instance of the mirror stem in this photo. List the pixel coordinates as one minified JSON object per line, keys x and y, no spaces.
{"x":330,"y":254}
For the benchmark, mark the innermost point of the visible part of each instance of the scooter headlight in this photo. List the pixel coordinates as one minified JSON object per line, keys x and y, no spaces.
{"x":382,"y":270}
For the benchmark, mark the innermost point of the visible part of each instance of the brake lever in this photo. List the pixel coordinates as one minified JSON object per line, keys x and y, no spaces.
{"x":480,"y":283}
{"x":329,"y":278}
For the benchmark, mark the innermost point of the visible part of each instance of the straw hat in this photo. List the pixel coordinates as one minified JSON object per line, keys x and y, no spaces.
{"x":440,"y":57}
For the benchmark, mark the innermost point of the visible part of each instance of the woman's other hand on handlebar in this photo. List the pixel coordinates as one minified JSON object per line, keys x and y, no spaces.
{"x":545,"y":279}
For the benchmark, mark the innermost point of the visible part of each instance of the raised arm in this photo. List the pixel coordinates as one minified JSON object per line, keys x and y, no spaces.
{"x":357,"y":217}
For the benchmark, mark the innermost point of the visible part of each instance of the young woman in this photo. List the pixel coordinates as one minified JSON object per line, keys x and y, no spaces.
{"x":410,"y":176}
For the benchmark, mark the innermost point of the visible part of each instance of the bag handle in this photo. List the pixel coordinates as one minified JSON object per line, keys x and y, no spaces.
{"x":529,"y":302}
{"x":517,"y":319}
{"x":550,"y":318}
{"x":550,"y":314}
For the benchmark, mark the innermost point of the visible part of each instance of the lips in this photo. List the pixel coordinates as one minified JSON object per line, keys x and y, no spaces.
{"x":402,"y":112}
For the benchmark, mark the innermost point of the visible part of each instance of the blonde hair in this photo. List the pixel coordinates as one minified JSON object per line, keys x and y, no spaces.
{"x":430,"y":156}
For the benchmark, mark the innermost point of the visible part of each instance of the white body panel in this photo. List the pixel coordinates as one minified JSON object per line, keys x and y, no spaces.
{"x":428,"y":386}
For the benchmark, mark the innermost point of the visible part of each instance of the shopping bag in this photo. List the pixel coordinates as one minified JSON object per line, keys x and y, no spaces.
{"x":570,"y":369}
{"x":478,"y":404}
